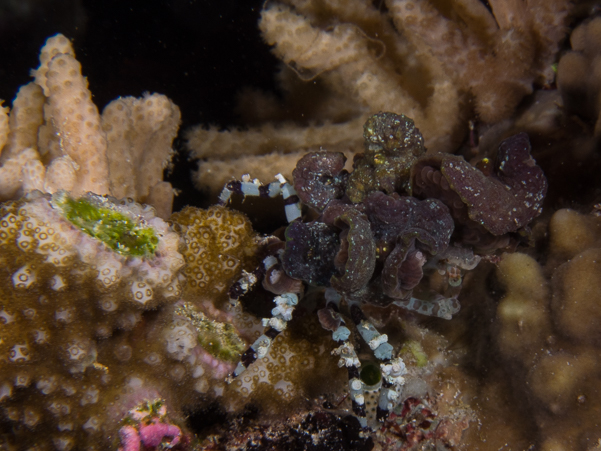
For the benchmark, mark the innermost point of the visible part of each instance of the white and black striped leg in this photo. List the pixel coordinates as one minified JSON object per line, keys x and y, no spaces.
{"x":282,"y":313}
{"x":330,"y":319}
{"x":438,"y":305}
{"x":292,"y":203}
{"x":248,"y":187}
{"x":349,"y":359}
{"x":392,"y":369}
{"x":245,"y":283}
{"x":257,"y":350}
{"x":377,"y":342}
{"x":392,"y":386}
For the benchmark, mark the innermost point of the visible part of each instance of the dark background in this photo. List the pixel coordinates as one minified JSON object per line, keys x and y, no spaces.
{"x":198,"y":53}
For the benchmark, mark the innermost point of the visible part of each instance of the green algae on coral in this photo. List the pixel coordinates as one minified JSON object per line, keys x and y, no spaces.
{"x":219,"y":339}
{"x":97,"y":217}
{"x":415,"y":349}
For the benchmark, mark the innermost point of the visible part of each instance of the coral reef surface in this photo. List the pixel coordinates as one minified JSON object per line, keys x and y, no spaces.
{"x":435,"y":291}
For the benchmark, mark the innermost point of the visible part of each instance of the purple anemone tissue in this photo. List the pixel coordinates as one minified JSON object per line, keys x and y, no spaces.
{"x":502,"y":202}
{"x":319,"y":177}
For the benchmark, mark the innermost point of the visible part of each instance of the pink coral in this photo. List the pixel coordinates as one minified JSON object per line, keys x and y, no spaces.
{"x":129,"y":438}
{"x":151,"y":436}
{"x":154,"y":433}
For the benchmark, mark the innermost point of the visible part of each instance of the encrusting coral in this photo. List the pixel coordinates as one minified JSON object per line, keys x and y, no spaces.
{"x":54,"y":138}
{"x":434,"y":62}
{"x":92,"y":320}
{"x":66,"y":288}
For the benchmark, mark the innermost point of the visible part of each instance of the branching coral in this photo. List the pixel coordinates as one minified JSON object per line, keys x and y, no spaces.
{"x":434,"y":62}
{"x":54,"y":138}
{"x":115,"y":325}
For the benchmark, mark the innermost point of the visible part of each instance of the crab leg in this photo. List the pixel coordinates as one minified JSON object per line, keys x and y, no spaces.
{"x":248,"y":187}
{"x":393,"y":370}
{"x":282,"y":313}
{"x":330,"y":319}
{"x":439,"y":306}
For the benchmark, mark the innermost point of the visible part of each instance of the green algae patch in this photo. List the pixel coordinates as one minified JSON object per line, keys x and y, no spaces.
{"x":415,"y":349}
{"x":219,"y":339}
{"x":96,"y":216}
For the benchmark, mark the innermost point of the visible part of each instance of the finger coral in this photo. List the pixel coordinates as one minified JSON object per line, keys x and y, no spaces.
{"x":548,"y":331}
{"x":576,"y":76}
{"x":55,"y":139}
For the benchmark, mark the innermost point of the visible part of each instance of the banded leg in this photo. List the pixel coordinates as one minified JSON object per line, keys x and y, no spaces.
{"x":282,"y":313}
{"x":244,"y":284}
{"x":330,"y":319}
{"x":439,"y":306}
{"x":393,"y":370}
{"x":248,"y":187}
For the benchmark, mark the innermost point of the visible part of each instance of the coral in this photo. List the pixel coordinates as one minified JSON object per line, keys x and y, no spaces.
{"x":220,"y":236}
{"x":148,"y":427}
{"x":64,"y":293}
{"x":576,"y":73}
{"x":548,"y":331}
{"x":56,"y":139}
{"x":343,"y":61}
{"x":115,"y":325}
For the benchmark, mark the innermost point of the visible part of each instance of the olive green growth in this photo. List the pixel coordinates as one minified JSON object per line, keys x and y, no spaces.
{"x":416,"y":350}
{"x":370,"y":374}
{"x":221,"y":340}
{"x":96,"y":216}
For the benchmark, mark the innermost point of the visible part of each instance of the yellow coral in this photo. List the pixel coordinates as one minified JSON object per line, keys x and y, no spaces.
{"x":220,"y":243}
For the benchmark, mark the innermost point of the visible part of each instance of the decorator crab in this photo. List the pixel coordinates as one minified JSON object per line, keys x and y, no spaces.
{"x":375,"y":232}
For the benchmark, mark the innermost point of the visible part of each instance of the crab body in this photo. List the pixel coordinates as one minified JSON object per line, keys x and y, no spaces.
{"x":380,"y":229}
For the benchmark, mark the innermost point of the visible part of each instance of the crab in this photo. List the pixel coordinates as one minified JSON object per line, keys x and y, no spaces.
{"x":373,"y":235}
